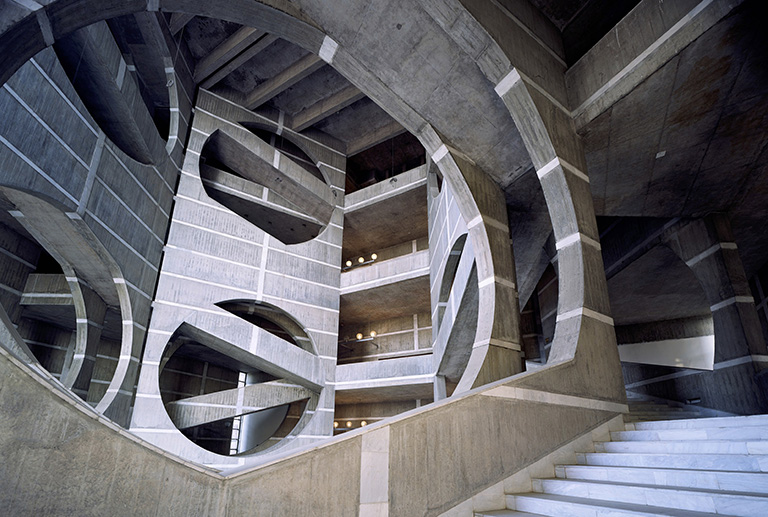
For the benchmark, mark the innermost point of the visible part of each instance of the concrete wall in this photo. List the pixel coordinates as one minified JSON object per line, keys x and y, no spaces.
{"x":213,"y":255}
{"x":124,"y":204}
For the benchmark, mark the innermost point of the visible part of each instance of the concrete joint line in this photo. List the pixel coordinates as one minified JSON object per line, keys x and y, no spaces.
{"x":731,"y":301}
{"x":545,"y":397}
{"x":574,"y":170}
{"x":45,"y":26}
{"x":121,"y":69}
{"x":328,"y":49}
{"x":530,"y":33}
{"x":153,"y":5}
{"x":583,"y":311}
{"x":704,"y":254}
{"x":440,"y":153}
{"x":498,"y":280}
{"x":730,"y":363}
{"x":546,"y":94}
{"x":640,"y":58}
{"x":509,"y":345}
{"x":280,"y":122}
{"x":574,"y":238}
{"x":276,"y":159}
{"x":493,"y":223}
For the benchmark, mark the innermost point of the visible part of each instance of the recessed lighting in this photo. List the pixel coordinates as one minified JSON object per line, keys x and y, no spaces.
{"x":349,"y":424}
{"x":374,"y":256}
{"x":359,"y":335}
{"x":373,"y":333}
{"x":363,"y":423}
{"x":335,"y":425}
{"x":349,"y":263}
{"x":361,"y":260}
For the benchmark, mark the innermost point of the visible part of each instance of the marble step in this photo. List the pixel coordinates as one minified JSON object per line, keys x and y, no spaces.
{"x":683,"y":447}
{"x":728,"y":503}
{"x":698,"y":423}
{"x":506,"y":513}
{"x":560,"y":506}
{"x":730,"y":462}
{"x":749,"y":482}
{"x":717,"y":433}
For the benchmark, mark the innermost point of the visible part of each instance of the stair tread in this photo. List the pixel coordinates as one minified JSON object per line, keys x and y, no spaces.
{"x":659,"y":487}
{"x":627,"y":507}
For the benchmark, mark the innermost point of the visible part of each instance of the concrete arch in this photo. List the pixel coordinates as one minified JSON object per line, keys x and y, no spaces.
{"x":536,"y":114}
{"x":84,"y":260}
{"x":43,"y":26}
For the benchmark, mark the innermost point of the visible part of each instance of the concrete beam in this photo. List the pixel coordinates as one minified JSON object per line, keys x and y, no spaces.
{"x":375,"y":137}
{"x":284,"y":80}
{"x":226,"y":51}
{"x":238,"y":60}
{"x":202,"y":409}
{"x":386,"y":272}
{"x":179,"y":21}
{"x":325,"y":108}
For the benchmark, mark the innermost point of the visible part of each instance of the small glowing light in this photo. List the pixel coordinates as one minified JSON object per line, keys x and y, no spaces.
{"x":349,"y":263}
{"x":363,"y":423}
{"x":349,"y":424}
{"x":374,"y":256}
{"x":359,"y":335}
{"x":335,"y":425}
{"x":361,"y":260}
{"x":373,"y":333}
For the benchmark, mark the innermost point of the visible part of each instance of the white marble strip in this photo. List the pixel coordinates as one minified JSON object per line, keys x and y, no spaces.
{"x":375,"y":382}
{"x":328,"y":49}
{"x":296,"y":302}
{"x":547,"y":168}
{"x":731,"y":301}
{"x":37,"y":169}
{"x":718,"y":366}
{"x":507,"y":82}
{"x":574,"y":170}
{"x":130,"y":210}
{"x":556,"y":103}
{"x":212,"y":257}
{"x":20,"y":260}
{"x":220,"y":234}
{"x":530,"y":33}
{"x":510,"y":392}
{"x":122,"y":241}
{"x":498,"y":280}
{"x":389,"y":279}
{"x":575,"y":238}
{"x":374,"y":473}
{"x":63,"y":96}
{"x":206,"y":282}
{"x":583,"y":311}
{"x":140,"y":185}
{"x":386,"y":195}
{"x":440,"y":153}
{"x":704,"y":254}
{"x":635,"y":63}
{"x":46,"y":126}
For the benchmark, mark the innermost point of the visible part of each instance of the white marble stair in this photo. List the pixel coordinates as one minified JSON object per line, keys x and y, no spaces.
{"x":688,"y":467}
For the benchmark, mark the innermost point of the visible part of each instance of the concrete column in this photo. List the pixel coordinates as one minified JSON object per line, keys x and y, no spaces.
{"x":736,"y":384}
{"x":95,"y":309}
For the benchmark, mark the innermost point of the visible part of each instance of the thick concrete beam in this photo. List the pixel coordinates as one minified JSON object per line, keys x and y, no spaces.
{"x":242,"y":39}
{"x":179,"y":21}
{"x":202,"y":409}
{"x":325,"y":108}
{"x":238,"y":60}
{"x":284,"y":80}
{"x":375,"y":137}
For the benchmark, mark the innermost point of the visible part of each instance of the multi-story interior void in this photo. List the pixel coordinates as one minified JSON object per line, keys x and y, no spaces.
{"x":371,"y":257}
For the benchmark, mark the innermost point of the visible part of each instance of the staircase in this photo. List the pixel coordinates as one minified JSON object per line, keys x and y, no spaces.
{"x":676,"y":465}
